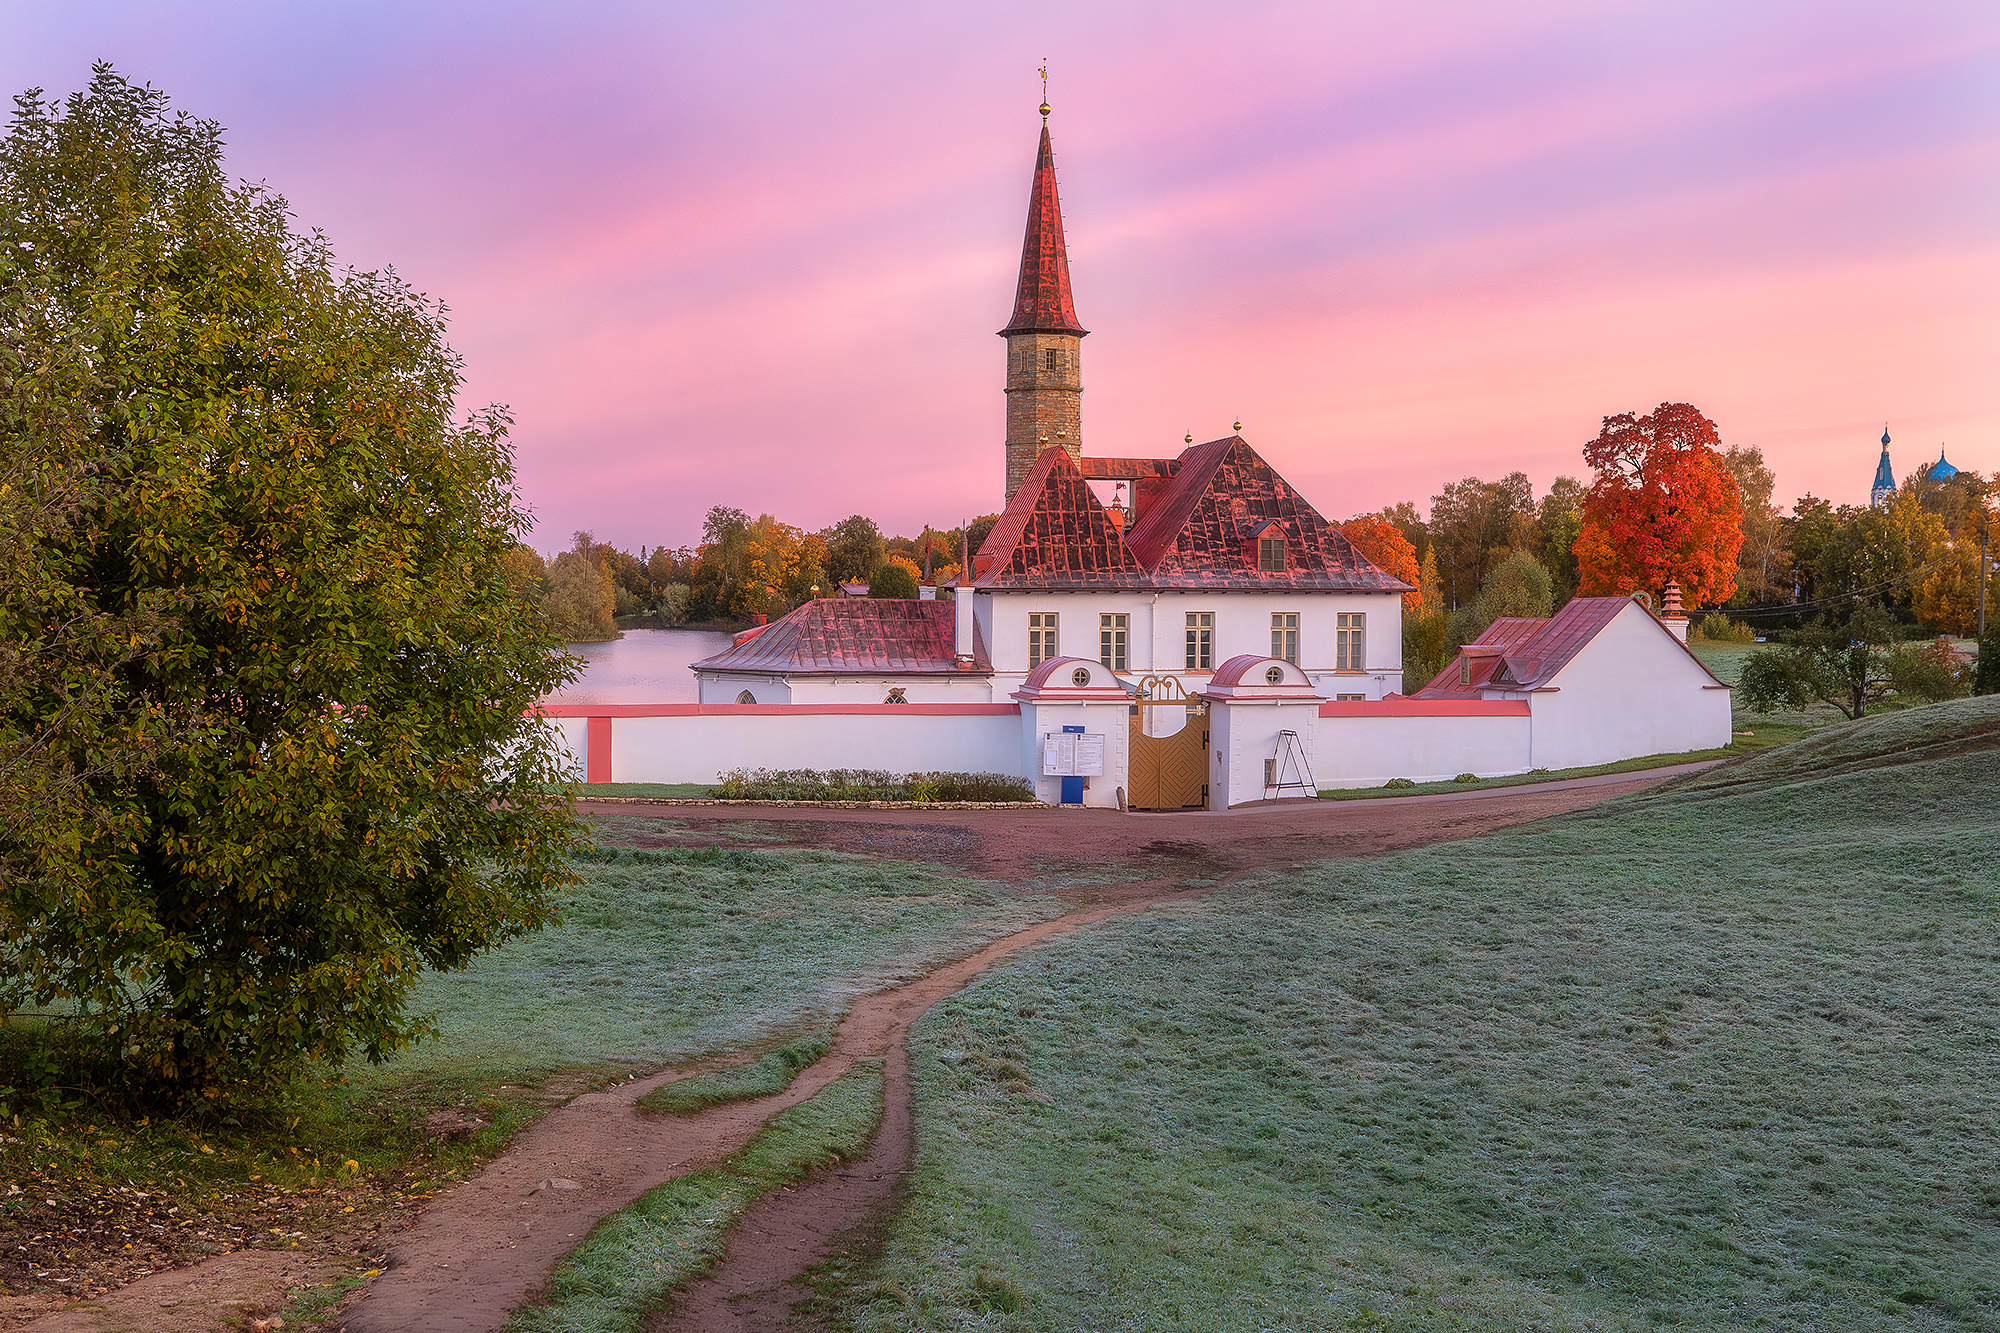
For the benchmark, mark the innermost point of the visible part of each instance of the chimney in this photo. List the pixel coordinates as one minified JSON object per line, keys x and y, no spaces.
{"x":961,"y":606}
{"x":1671,"y":613}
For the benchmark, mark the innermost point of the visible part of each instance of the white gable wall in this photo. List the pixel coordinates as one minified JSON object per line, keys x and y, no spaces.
{"x":1632,"y":691}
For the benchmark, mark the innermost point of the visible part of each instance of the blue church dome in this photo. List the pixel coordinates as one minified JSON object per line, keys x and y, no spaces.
{"x":1941,"y":470}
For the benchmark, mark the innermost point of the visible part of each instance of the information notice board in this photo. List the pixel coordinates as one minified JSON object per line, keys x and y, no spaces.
{"x":1072,"y":754}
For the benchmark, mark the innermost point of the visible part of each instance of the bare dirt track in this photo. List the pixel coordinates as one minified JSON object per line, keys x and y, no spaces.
{"x":479,"y":1251}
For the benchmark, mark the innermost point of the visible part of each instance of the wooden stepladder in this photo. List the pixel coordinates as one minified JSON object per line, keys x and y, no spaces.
{"x":1167,"y":748}
{"x":1287,"y":769}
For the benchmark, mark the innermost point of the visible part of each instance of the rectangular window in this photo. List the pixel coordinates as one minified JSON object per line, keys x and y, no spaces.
{"x":1201,"y":641}
{"x":1350,"y":698}
{"x":1111,"y":641}
{"x":1285,"y":636}
{"x":1052,"y":359}
{"x":1348,"y":642}
{"x":1041,"y":637}
{"x":1271,"y":555}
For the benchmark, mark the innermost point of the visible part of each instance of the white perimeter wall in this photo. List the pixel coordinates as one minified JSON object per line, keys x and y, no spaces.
{"x":700,"y":748}
{"x":1357,"y":751}
{"x":1632,"y":691}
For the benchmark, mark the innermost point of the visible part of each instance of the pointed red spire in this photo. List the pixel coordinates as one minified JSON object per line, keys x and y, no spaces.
{"x":1043,"y":303}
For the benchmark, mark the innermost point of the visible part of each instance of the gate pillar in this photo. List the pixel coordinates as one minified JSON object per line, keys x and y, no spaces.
{"x":1251,"y":701}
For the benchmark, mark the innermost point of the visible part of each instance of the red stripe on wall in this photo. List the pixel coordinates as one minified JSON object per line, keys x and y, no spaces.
{"x":597,"y":751}
{"x":776,"y":710}
{"x":1425,"y":708}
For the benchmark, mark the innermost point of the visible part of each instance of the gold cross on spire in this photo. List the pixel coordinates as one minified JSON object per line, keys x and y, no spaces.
{"x":1044,"y":72}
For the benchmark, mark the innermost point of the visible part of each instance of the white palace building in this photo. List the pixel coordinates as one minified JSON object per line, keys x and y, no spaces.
{"x":1155,"y":633}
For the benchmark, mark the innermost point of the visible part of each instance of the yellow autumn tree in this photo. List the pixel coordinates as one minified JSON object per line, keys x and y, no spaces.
{"x":1948,"y":598}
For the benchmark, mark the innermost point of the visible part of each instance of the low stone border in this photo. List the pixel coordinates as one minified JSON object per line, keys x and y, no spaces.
{"x":824,"y":805}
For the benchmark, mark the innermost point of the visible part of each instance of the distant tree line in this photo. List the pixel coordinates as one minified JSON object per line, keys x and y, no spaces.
{"x":741,"y":569}
{"x":1669,"y":501}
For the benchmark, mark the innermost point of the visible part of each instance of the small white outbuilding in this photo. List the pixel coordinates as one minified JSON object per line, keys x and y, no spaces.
{"x":1603,"y":679}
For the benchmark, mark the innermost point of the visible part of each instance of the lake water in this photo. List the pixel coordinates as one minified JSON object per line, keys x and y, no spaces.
{"x":647,"y":666}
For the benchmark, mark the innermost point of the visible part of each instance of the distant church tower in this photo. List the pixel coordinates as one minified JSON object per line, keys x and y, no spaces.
{"x":1044,"y":375}
{"x":1884,"y":489}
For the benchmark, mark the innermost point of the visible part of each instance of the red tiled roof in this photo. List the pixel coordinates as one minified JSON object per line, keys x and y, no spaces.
{"x":1042,"y":304}
{"x":842,"y":635}
{"x":1054,"y":534}
{"x":1196,"y":534}
{"x":1518,"y":653}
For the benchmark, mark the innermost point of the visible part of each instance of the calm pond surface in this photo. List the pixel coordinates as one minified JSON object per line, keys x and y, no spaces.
{"x":647,"y":666}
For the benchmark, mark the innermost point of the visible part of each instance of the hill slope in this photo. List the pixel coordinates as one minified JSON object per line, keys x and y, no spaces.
{"x":1715,"y":1056}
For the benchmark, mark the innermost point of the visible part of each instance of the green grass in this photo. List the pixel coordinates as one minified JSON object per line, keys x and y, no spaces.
{"x":763,"y":1077}
{"x":1717,"y":1056}
{"x":1743,"y":745}
{"x":631,"y":1262}
{"x":665,"y":956}
{"x":670,"y":954}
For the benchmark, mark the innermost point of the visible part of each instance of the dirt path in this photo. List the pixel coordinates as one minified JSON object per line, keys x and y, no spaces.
{"x":477,"y":1252}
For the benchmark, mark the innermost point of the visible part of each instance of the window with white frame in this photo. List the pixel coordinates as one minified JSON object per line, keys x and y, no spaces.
{"x":1111,"y":632}
{"x":1350,"y":698}
{"x":1201,"y":641}
{"x":1348,"y":643}
{"x":1041,"y":637}
{"x":1285,"y":636}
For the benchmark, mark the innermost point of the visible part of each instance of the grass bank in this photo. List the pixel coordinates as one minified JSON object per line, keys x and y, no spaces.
{"x":630,"y":1264}
{"x":667,"y":954}
{"x":765,"y":1076}
{"x":1716,"y":1056}
{"x":1761,"y":739}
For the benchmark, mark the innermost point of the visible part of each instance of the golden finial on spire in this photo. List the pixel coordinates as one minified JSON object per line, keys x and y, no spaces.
{"x":1044,"y":72}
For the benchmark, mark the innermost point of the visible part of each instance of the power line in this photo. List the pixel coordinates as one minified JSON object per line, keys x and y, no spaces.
{"x":1789,"y":608}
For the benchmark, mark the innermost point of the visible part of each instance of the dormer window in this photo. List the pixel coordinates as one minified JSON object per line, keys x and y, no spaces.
{"x":1271,"y":555}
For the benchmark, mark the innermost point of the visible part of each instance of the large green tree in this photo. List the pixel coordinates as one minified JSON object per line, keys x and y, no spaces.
{"x":310,"y":770}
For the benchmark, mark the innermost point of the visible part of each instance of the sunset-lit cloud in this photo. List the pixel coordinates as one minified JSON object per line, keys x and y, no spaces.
{"x":755,"y":255}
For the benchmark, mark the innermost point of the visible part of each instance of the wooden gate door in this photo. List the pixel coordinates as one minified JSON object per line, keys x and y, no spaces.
{"x":1167,"y":771}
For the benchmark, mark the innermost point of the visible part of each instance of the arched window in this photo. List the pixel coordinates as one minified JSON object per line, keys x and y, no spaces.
{"x":746,"y":698}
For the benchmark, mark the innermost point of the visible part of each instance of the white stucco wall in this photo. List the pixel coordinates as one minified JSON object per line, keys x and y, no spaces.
{"x":719,"y":688}
{"x":1157,"y":632}
{"x":928,"y":689}
{"x":1111,"y":720}
{"x":1243,"y":734}
{"x":700,"y":747}
{"x":1356,"y":749}
{"x":1632,"y":691}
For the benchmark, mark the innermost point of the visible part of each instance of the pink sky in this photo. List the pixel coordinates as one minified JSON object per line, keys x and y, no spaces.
{"x":754,"y":255}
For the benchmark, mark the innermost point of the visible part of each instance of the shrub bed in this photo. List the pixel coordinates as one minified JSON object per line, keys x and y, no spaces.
{"x":866,"y":784}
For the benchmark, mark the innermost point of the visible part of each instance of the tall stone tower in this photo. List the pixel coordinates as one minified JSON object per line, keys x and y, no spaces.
{"x":1044,"y":375}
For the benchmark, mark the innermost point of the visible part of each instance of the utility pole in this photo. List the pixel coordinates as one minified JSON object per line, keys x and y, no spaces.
{"x":1985,"y":528}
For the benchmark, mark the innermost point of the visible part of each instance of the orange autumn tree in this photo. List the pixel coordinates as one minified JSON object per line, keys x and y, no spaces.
{"x":1664,"y":506}
{"x":1390,"y":551}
